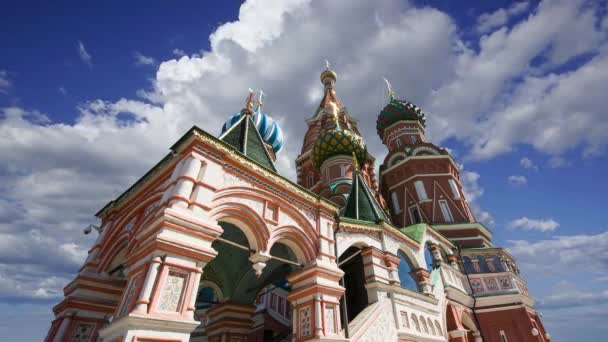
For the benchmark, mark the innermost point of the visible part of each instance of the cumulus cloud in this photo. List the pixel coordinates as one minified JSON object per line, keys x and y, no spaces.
{"x":488,"y":21}
{"x":178,"y":52}
{"x":143,"y":60}
{"x":84,"y":55}
{"x":527,"y":163}
{"x":563,"y":255}
{"x":473,"y":191}
{"x":541,"y":225}
{"x":517,"y":180}
{"x":5,"y":82}
{"x":54,"y":176}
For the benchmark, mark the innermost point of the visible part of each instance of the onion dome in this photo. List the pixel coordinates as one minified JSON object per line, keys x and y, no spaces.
{"x":397,"y":110}
{"x":337,"y":141}
{"x":269,"y":129}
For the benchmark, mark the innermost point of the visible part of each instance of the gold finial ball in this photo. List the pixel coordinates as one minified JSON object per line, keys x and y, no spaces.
{"x":328,"y":76}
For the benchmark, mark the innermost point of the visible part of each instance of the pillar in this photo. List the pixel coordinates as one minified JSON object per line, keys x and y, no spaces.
{"x":424,"y":277}
{"x":315,"y":297}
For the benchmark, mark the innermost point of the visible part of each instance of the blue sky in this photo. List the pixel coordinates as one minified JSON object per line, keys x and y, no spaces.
{"x":92,"y":96}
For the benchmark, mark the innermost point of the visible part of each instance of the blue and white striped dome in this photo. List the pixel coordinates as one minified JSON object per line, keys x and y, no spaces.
{"x":268,"y":128}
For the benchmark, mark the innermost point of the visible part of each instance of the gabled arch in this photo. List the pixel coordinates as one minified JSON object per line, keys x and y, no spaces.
{"x":302,"y":246}
{"x":286,"y":206}
{"x":247,"y":220}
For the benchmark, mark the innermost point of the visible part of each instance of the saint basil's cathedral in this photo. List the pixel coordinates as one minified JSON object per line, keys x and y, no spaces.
{"x":213,"y":244}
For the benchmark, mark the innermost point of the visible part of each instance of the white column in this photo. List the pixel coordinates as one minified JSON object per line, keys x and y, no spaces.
{"x":65,"y":324}
{"x":318,"y":317}
{"x":146,"y":290}
{"x":191,"y":169}
{"x":197,"y":280}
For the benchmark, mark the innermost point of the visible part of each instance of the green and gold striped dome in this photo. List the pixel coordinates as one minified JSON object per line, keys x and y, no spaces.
{"x":336,"y":142}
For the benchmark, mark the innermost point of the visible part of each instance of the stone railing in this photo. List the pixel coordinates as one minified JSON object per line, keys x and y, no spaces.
{"x":496,"y":283}
{"x":454,"y":278}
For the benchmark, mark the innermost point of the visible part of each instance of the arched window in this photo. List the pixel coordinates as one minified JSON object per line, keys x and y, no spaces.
{"x":423,"y":323}
{"x":415,"y":320}
{"x":428,"y":258}
{"x":438,"y":328}
{"x":431,"y":326}
{"x":406,"y":273}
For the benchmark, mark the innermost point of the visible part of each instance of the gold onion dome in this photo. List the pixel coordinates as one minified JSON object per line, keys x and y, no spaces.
{"x":337,"y":141}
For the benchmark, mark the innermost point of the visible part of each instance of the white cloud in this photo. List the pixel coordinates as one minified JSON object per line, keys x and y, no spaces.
{"x":5,"y":82}
{"x":179,"y":52}
{"x":541,"y":225}
{"x":517,"y":180}
{"x":488,"y":21}
{"x":473,"y":191}
{"x":62,"y":90}
{"x":562,"y":255}
{"x":527,"y":163}
{"x":512,"y":91}
{"x":143,"y":60}
{"x":84,"y":54}
{"x":61,"y":173}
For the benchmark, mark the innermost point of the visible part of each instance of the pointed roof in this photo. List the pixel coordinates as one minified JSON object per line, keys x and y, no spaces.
{"x":361,"y":204}
{"x":245,"y":138}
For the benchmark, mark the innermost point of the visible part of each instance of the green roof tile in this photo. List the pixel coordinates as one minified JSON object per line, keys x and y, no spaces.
{"x":245,"y":138}
{"x":361,"y":204}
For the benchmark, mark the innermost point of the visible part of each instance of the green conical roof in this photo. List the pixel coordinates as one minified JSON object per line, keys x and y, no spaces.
{"x":245,"y":138}
{"x":361,"y":204}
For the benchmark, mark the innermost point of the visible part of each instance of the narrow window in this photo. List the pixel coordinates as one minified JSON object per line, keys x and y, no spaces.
{"x":395,"y":201}
{"x":342,"y":170}
{"x":310,"y":180}
{"x":415,"y":214}
{"x":413,"y":137}
{"x":503,"y":336}
{"x":445,"y":210}
{"x":420,"y":190}
{"x":398,"y":143}
{"x":454,"y":188}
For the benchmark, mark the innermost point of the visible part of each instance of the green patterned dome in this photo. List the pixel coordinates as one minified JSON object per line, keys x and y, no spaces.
{"x":398,"y":110}
{"x":336,"y":142}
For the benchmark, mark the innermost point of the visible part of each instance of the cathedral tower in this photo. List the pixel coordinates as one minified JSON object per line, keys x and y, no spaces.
{"x":324,"y":165}
{"x":420,"y":180}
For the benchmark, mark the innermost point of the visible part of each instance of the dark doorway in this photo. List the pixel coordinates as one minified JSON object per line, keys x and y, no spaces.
{"x":355,"y":296}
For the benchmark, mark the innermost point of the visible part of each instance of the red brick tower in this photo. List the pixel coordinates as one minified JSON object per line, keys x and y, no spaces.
{"x":324,"y":165}
{"x":420,"y":180}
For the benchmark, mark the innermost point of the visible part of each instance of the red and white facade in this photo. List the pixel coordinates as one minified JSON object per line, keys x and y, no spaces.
{"x":141,"y":279}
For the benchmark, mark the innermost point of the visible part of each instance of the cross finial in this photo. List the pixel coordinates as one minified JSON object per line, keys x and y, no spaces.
{"x":391,"y":93}
{"x":260,"y":97}
{"x":326,"y":64}
{"x":249,"y":104}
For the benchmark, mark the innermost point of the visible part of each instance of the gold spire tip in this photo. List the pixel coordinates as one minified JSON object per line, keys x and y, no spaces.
{"x":249,"y":103}
{"x":391,"y":93}
{"x":260,"y":97}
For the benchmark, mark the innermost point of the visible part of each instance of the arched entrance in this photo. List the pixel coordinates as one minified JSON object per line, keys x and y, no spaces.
{"x":355,"y":296}
{"x":235,"y":303}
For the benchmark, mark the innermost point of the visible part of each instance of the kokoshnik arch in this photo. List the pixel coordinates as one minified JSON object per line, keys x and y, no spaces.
{"x":212,"y":244}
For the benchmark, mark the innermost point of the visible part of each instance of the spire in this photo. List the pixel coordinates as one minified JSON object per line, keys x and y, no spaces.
{"x":391,"y":93}
{"x":248,"y":110}
{"x":259,"y":105}
{"x":328,"y":79}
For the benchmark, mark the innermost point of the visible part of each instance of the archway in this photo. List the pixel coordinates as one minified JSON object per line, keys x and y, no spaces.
{"x":355,"y":296}
{"x":236,"y":301}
